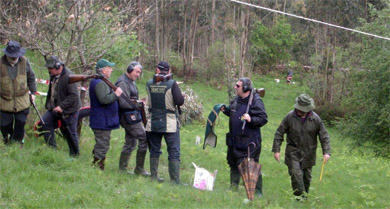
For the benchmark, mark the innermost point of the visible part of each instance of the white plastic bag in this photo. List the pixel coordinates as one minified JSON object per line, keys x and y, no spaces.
{"x":204,"y":180}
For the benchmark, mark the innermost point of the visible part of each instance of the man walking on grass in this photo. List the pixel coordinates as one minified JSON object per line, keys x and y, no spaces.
{"x":302,"y":126}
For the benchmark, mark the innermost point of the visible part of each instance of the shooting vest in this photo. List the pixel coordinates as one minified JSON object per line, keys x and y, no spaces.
{"x":162,"y":111}
{"x":102,"y":117}
{"x":14,"y":92}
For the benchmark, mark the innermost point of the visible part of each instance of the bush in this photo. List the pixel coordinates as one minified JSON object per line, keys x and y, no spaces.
{"x":368,"y":105}
{"x":330,"y":113}
{"x":192,"y":109}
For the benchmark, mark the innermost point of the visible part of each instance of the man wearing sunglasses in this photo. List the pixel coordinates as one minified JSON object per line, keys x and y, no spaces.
{"x":240,"y":136}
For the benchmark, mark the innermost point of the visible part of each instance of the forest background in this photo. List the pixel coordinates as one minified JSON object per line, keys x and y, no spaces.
{"x":216,"y":42}
{"x":220,"y":41}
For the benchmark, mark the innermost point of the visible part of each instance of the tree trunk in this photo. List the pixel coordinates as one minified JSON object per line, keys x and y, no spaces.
{"x":245,"y":21}
{"x":184,"y":48}
{"x":157,"y":41}
{"x":213,"y":23}
{"x":140,"y":30}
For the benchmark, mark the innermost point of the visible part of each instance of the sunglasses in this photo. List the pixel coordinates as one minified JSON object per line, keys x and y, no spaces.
{"x":238,"y":86}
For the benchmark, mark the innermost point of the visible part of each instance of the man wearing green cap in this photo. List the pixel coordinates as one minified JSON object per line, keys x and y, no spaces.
{"x":62,"y":103}
{"x":302,"y":126}
{"x":104,"y":111}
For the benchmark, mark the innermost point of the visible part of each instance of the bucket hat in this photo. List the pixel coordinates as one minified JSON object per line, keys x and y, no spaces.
{"x":13,"y":49}
{"x":304,"y":103}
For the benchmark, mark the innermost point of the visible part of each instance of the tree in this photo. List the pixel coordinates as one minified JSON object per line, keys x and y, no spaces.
{"x":368,"y":118}
{"x":79,"y":32}
{"x":271,"y":46}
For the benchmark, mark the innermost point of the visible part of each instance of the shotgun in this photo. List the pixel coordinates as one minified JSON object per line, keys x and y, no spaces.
{"x":261,"y":93}
{"x":161,"y":77}
{"x":37,"y":111}
{"x":132,"y":102}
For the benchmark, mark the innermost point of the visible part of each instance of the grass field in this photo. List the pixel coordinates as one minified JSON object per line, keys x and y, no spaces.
{"x":41,"y":177}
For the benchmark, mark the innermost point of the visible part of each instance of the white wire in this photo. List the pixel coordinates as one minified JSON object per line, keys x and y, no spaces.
{"x":312,"y":20}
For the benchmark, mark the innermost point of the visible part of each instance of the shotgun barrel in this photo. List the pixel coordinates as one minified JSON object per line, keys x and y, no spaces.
{"x":78,"y":78}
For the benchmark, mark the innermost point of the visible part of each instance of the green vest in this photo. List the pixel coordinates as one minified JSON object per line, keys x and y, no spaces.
{"x":14,"y":92}
{"x":162,"y":110}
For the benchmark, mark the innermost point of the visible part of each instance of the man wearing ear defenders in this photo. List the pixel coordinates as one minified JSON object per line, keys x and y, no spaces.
{"x":247,"y":115}
{"x":62,"y":103}
{"x":131,"y":121}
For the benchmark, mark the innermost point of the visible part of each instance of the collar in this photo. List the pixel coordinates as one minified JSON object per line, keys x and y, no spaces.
{"x":5,"y":60}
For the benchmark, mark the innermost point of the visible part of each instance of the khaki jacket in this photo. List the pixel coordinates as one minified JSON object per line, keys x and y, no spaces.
{"x":302,"y":139}
{"x":14,"y":95}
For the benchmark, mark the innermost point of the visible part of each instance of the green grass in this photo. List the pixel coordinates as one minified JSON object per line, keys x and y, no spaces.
{"x":41,"y":177}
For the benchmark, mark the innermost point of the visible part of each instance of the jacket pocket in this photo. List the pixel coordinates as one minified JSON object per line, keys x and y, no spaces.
{"x":132,"y":117}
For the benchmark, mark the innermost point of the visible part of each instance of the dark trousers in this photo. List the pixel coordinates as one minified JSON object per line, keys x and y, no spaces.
{"x":173,"y":144}
{"x":134,"y":133}
{"x":236,"y":156}
{"x":12,"y":124}
{"x":68,"y":129}
{"x":300,"y":178}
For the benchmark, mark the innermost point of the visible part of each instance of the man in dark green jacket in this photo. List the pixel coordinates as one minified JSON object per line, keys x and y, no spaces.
{"x":302,"y":127}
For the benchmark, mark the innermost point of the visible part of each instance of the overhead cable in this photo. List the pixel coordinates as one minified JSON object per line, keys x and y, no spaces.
{"x":311,"y":20}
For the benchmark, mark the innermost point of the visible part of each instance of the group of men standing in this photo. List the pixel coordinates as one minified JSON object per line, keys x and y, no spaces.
{"x":118,"y":105}
{"x":110,"y":109}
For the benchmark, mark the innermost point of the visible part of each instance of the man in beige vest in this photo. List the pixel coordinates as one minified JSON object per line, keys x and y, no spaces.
{"x":16,"y":80}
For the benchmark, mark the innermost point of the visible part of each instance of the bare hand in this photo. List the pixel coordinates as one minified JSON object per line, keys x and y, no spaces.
{"x":277,"y":156}
{"x":222,"y":108}
{"x":58,"y":109}
{"x":32,"y":98}
{"x":326,"y":158}
{"x":118,"y":92}
{"x":246,"y":117}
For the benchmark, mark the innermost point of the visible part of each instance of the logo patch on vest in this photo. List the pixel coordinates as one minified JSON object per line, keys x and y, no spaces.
{"x":157,"y":89}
